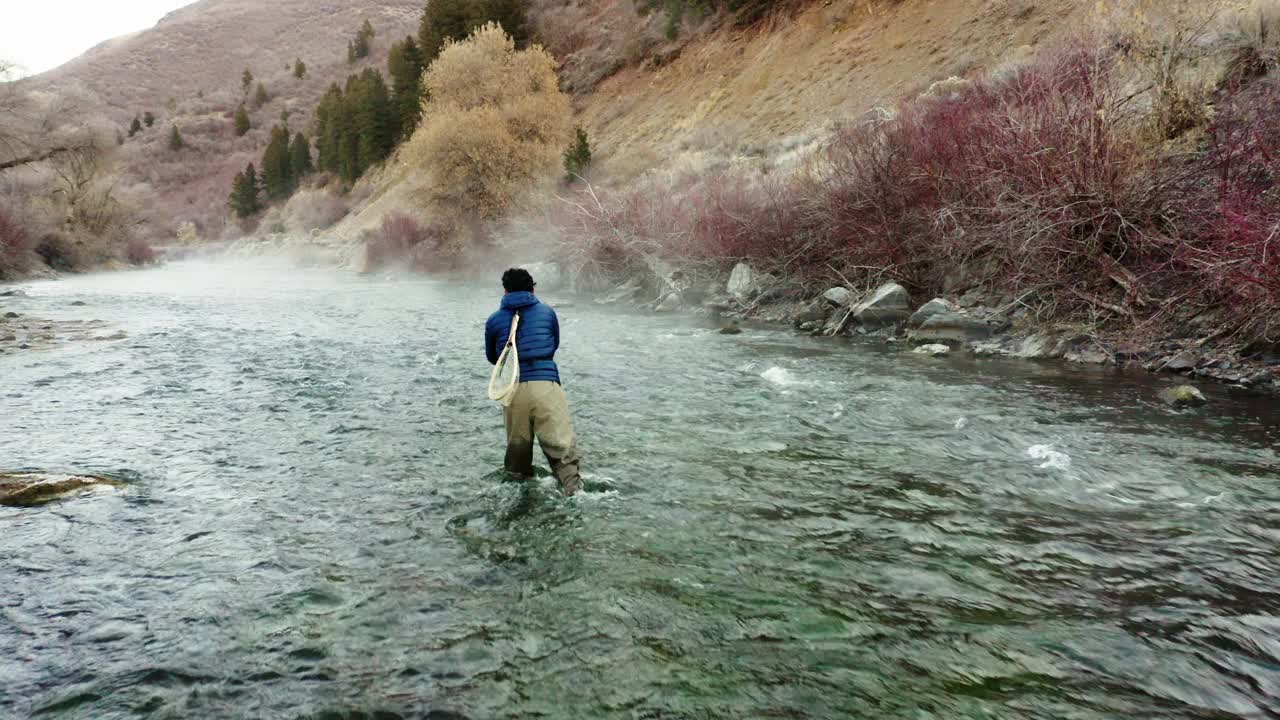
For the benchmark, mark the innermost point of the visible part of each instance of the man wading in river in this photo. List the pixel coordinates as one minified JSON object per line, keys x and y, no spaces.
{"x":539,"y":408}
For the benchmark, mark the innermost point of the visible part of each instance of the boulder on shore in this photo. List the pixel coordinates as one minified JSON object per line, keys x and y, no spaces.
{"x":889,"y":304}
{"x":1183,"y":396}
{"x":746,"y":282}
{"x":952,"y":328}
{"x":28,"y":489}
{"x":928,"y":310}
{"x":1182,"y":362}
{"x":839,"y":296}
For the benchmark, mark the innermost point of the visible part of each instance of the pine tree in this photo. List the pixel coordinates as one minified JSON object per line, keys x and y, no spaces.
{"x":148,"y":119}
{"x":376,"y":118}
{"x":404,"y":65}
{"x":327,"y":129}
{"x":246,"y":81}
{"x":242,"y":121}
{"x":512,"y":15}
{"x":277,"y":171}
{"x":359,"y":47}
{"x":136,"y":126}
{"x":175,"y":139}
{"x":299,"y":69}
{"x":244,"y":193}
{"x":578,"y":157}
{"x":444,"y":20}
{"x":300,"y":157}
{"x":261,"y":98}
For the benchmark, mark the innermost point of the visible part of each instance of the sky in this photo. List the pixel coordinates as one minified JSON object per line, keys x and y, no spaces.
{"x":39,"y":35}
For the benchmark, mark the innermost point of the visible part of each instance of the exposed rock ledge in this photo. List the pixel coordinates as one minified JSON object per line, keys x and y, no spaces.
{"x":29,"y":489}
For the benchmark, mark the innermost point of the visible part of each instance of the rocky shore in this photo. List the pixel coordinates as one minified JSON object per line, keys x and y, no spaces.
{"x":22,"y":331}
{"x":975,"y":321}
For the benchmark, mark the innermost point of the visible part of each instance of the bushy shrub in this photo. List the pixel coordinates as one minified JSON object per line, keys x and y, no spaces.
{"x":313,"y":209}
{"x":140,"y":252}
{"x":402,"y":241}
{"x":59,"y":252}
{"x":494,"y":126}
{"x":15,"y":246}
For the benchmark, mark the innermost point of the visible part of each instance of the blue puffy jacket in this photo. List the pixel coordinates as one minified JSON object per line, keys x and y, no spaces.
{"x":537,"y":338}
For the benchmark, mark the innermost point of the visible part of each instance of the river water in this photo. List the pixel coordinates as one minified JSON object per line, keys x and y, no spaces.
{"x":775,"y":527}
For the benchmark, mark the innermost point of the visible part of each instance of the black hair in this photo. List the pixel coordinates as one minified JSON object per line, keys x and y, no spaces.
{"x":517,"y":280}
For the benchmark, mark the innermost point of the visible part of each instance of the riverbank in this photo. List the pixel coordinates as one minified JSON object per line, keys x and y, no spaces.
{"x":978,"y":322}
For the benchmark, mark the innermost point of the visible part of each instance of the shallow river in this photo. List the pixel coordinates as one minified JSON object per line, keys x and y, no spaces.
{"x":775,"y":527}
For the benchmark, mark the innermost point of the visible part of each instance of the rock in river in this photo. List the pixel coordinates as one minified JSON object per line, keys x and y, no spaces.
{"x":934,"y":350}
{"x":952,"y":328}
{"x":1183,"y":396}
{"x":28,"y":489}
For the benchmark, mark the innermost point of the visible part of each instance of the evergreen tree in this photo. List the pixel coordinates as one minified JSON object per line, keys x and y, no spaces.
{"x":327,"y":129}
{"x":119,"y":138}
{"x":244,"y":193}
{"x":358,"y":48}
{"x":300,"y":157}
{"x":512,"y":15}
{"x":277,"y":170}
{"x":351,"y":52}
{"x":148,"y":119}
{"x":246,"y":81}
{"x":299,"y":69}
{"x":136,"y":126}
{"x":376,"y":120}
{"x":578,"y":157}
{"x":242,"y":121}
{"x":404,"y":65}
{"x":444,"y":20}
{"x":349,"y":133}
{"x":175,"y":139}
{"x":261,"y":97}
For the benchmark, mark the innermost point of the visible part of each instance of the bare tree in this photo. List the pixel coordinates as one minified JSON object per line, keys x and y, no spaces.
{"x":26,"y":128}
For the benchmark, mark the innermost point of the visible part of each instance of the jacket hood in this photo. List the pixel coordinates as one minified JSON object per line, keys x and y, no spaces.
{"x":518,"y":300}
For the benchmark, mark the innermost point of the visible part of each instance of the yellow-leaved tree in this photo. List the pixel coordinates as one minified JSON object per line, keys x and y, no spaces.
{"x":494,"y":126}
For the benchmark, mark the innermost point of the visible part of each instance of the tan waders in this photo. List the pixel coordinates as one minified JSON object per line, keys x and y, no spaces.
{"x":539,"y":410}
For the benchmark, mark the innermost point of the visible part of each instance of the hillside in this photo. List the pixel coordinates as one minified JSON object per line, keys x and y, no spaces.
{"x":203,"y":48}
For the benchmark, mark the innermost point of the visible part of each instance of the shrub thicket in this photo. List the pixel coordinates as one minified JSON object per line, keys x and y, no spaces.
{"x":1043,"y":182}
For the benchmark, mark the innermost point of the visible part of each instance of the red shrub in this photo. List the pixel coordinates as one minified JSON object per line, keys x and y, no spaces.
{"x":139,"y":252}
{"x":15,"y":246}
{"x":402,"y":241}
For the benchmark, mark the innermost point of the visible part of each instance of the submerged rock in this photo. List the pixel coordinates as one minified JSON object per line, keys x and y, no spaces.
{"x":32,"y":489}
{"x":620,"y":294}
{"x":952,"y":328}
{"x":731,"y":328}
{"x":890,"y":304}
{"x":934,"y":350}
{"x":928,"y":310}
{"x":1183,"y":396}
{"x":11,"y":315}
{"x":670,"y":303}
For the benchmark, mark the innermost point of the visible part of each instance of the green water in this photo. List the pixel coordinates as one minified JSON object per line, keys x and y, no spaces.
{"x":776,"y":527}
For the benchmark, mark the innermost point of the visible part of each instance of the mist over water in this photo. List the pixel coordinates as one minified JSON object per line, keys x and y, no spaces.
{"x":775,"y":526}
